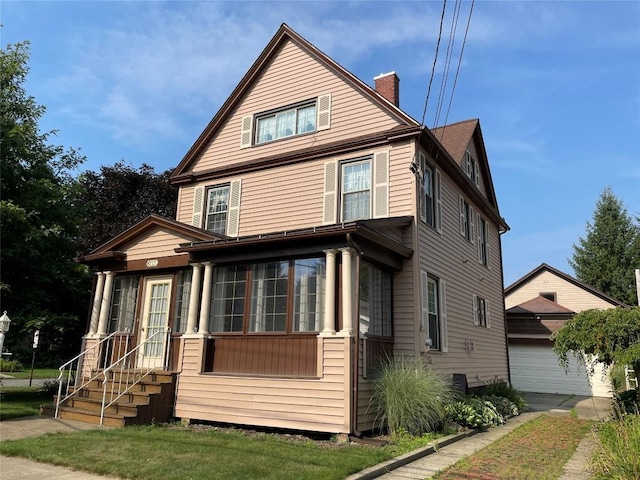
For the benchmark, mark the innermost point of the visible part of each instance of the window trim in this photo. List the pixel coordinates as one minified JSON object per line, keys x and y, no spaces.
{"x":483,"y":242}
{"x":441,"y":314}
{"x":342,"y":164}
{"x":481,"y":316}
{"x":280,"y":110}
{"x":436,"y":194}
{"x":207,"y":193}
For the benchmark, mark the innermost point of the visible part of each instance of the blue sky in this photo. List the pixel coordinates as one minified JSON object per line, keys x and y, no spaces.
{"x":556,"y":86}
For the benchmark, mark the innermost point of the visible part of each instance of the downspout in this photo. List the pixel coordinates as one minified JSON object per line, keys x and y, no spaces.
{"x":504,"y":309}
{"x":355,"y":378}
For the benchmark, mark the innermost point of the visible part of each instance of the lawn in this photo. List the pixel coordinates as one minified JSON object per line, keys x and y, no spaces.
{"x":21,"y":401}
{"x":160,"y":452}
{"x":37,"y":373}
{"x":536,"y":450}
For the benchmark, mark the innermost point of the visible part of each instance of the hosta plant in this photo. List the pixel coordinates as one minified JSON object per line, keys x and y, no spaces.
{"x":474,"y":412}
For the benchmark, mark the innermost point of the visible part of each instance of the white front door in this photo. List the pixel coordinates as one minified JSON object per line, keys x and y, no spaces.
{"x":155,"y":321}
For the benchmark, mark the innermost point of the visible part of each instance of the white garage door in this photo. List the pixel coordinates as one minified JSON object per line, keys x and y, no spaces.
{"x":536,"y":369}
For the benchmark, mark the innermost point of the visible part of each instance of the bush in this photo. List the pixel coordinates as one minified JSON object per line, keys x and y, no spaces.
{"x":499,"y":388}
{"x":626,"y":402}
{"x":616,"y":456}
{"x":504,"y":406}
{"x":10,"y":365}
{"x":409,"y":396}
{"x":474,"y":412}
{"x":49,"y":387}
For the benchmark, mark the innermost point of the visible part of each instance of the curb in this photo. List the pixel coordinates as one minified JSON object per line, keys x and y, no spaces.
{"x":390,"y":465}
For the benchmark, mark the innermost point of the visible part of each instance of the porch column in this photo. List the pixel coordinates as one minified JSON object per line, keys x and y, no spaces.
{"x":193,"y":298}
{"x":104,"y":305}
{"x":347,"y":292}
{"x":329,"y":327}
{"x":97,"y":301}
{"x":205,"y":305}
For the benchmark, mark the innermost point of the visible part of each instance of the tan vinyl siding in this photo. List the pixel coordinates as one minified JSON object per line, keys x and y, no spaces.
{"x":292,"y":196}
{"x":568,"y":295}
{"x":303,"y":404}
{"x":292,"y":77}
{"x":404,"y":324}
{"x":153,"y":244}
{"x":452,"y":258}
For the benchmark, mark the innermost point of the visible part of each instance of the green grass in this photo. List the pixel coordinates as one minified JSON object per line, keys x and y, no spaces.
{"x":537,"y":450}
{"x":37,"y":373}
{"x":617,"y":455}
{"x":21,"y":402}
{"x":153,"y":452}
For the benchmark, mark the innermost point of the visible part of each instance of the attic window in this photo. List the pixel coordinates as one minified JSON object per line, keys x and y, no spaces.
{"x":286,"y":122}
{"x":470,"y":167}
{"x":548,"y":295}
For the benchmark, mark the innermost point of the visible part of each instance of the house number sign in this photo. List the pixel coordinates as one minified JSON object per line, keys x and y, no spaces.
{"x":152,"y":263}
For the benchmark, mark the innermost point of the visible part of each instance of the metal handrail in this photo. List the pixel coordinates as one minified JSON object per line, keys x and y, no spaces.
{"x":70,"y":376}
{"x":137,"y":375}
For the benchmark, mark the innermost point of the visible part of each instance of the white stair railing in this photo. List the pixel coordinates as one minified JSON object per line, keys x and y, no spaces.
{"x":72,"y":378}
{"x":129,"y":370}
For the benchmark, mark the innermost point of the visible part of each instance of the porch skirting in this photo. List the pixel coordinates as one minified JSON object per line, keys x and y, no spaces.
{"x":319,"y":404}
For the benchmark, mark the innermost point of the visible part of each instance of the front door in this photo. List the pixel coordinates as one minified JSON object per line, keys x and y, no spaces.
{"x":155,"y":321}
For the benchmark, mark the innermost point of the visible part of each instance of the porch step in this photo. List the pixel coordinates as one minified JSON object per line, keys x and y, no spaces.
{"x":149,"y":401}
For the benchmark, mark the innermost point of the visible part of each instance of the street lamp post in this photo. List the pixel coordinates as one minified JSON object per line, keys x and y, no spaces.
{"x":5,"y":321}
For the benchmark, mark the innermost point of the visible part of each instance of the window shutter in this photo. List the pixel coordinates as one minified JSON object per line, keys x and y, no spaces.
{"x":473,"y":229}
{"x":474,"y":308}
{"x":462,"y":216}
{"x":477,"y":170}
{"x":443,"y":317}
{"x":488,"y":317}
{"x":438,"y":202}
{"x":233,"y":222}
{"x":425,"y":303}
{"x":246,"y":132}
{"x":486,"y":241}
{"x":324,"y":112}
{"x":198,"y":205}
{"x":330,"y":193}
{"x":479,"y":238}
{"x":381,"y":184}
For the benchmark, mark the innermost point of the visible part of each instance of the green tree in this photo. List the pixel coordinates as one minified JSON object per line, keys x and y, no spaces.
{"x":40,"y":286}
{"x":119,"y":196}
{"x":613,"y":335}
{"x":607,"y":257}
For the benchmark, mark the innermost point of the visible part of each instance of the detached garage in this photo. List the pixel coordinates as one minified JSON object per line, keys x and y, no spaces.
{"x":535,"y":368}
{"x":537,"y":305}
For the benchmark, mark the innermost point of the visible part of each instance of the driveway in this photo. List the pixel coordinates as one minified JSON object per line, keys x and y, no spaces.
{"x":589,"y":408}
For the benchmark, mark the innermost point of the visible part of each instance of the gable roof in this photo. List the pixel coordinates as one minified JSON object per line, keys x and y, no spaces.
{"x":547,"y":268}
{"x":284,"y":33}
{"x":540,"y":306}
{"x":109,"y":250}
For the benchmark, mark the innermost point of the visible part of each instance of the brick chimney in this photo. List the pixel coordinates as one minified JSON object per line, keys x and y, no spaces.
{"x":388,"y":85}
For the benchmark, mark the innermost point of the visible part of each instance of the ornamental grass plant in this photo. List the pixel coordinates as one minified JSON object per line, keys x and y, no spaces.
{"x":618,"y":453}
{"x":408,"y":396}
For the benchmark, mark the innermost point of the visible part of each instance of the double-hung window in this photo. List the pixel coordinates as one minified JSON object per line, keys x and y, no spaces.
{"x":466,"y":219}
{"x":480,"y":311}
{"x":483,"y":242}
{"x":217,"y":209}
{"x":470,"y":167}
{"x":286,"y":123}
{"x":356,"y":190}
{"x":375,"y":301}
{"x":430,"y":194}
{"x":434,"y":311}
{"x":183,"y":291}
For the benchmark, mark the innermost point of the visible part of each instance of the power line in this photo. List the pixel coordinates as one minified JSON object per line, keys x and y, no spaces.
{"x":448,"y":56}
{"x":435,"y":59}
{"x":464,"y":41}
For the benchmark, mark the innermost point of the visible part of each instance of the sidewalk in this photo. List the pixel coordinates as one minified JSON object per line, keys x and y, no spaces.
{"x":16,"y":468}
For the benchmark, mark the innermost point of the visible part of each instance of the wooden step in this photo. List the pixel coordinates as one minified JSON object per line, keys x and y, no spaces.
{"x":94,"y":405}
{"x":138,"y":398}
{"x":86,"y":416}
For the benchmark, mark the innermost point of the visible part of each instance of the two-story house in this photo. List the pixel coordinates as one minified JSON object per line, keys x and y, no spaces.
{"x":319,"y":229}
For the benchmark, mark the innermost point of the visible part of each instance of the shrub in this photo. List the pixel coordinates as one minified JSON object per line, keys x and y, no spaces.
{"x":474,"y":412}
{"x":616,"y":456}
{"x":499,"y":388}
{"x":49,"y":387}
{"x":10,"y":365}
{"x":626,"y":402}
{"x":504,"y":406}
{"x":409,"y":396}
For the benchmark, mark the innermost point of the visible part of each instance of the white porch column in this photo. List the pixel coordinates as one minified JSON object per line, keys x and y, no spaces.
{"x":97,"y":301}
{"x":104,"y":305}
{"x":192,"y":317}
{"x":205,"y":305}
{"x":347,"y":292}
{"x":329,"y":326}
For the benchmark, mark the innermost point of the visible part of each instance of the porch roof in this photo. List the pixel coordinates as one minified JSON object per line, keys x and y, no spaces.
{"x":362,"y":235}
